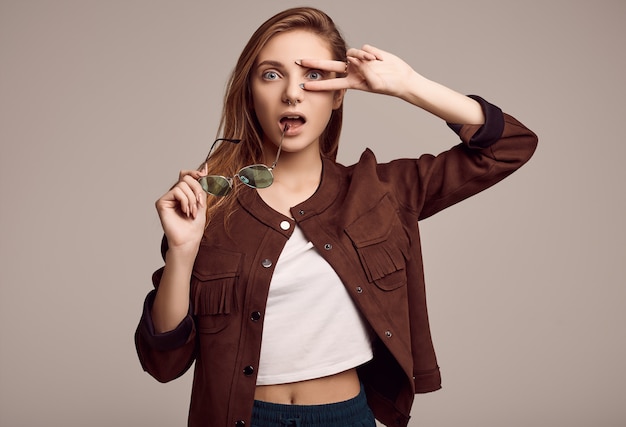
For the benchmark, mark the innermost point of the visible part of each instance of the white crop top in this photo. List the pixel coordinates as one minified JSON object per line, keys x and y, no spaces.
{"x":312,"y":328}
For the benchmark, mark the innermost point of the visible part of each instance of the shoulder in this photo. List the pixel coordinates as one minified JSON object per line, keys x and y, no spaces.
{"x":367,"y":162}
{"x":369,"y":169}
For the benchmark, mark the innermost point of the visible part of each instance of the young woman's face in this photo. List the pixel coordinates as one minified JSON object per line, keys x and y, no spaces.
{"x":277,"y":97}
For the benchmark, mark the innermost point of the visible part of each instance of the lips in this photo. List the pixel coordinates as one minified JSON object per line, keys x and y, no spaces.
{"x":294,"y":120}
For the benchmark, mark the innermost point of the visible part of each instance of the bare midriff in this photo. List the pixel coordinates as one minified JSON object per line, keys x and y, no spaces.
{"x":319,"y":391}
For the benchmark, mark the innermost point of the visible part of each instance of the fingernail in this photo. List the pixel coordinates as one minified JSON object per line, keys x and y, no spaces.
{"x":298,"y":62}
{"x":301,"y":85}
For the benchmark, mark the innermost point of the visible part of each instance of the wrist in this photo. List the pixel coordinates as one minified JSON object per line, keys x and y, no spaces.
{"x":416,"y":89}
{"x":443,"y":102}
{"x":184,"y":254}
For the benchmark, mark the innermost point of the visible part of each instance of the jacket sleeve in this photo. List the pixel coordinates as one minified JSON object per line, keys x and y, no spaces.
{"x":169,"y":355}
{"x":487,"y":154}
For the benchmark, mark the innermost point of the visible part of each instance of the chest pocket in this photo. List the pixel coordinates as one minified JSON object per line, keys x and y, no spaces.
{"x":213,"y":287}
{"x":382,"y":245}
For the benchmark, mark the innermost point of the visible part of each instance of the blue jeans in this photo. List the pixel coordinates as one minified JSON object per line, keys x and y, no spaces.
{"x":350,"y":413}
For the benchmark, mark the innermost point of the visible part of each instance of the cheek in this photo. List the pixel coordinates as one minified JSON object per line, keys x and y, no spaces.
{"x":260,"y":107}
{"x":325,"y":108}
{"x":255,"y":94}
{"x":264,"y":99}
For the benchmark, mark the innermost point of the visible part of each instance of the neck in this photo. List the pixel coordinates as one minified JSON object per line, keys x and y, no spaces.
{"x":296,"y":178}
{"x":297,"y":169}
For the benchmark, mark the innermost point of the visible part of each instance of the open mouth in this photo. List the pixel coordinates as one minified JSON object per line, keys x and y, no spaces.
{"x":293,"y":121}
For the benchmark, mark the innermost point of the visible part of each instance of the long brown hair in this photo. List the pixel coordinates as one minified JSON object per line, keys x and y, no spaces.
{"x":238,"y":118}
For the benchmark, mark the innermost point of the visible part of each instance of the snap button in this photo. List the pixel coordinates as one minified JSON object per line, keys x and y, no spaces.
{"x":240,"y":423}
{"x":266,"y":263}
{"x":359,"y":290}
{"x":328,"y":246}
{"x":285,"y":225}
{"x":248,"y":370}
{"x":301,"y":212}
{"x":255,"y":316}
{"x":388,"y":334}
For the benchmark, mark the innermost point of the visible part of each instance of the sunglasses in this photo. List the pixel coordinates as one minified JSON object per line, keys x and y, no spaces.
{"x":254,"y":176}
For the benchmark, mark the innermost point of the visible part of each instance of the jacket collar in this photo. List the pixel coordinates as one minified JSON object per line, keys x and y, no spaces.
{"x":325,"y":195}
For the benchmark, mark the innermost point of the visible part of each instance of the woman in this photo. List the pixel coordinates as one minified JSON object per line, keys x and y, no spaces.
{"x":300,"y":296}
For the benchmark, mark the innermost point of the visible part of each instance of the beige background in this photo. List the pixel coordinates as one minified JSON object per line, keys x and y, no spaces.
{"x":102,"y":102}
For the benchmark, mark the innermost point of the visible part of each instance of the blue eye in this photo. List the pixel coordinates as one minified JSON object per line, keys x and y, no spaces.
{"x":270,"y":75}
{"x":315,"y":75}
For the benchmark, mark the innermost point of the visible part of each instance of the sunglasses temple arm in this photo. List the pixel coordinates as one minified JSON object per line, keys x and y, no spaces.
{"x":210,"y":151}
{"x":285,"y":129}
{"x":234,"y":141}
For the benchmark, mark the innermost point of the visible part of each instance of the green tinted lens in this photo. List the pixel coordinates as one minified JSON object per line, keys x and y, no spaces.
{"x":216,"y":185}
{"x":256,"y":176}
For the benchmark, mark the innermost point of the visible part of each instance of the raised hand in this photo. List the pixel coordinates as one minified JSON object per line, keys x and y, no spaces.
{"x":369,"y":69}
{"x":374,"y":70}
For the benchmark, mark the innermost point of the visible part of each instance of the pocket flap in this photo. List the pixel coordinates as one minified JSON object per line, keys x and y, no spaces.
{"x":212,"y":264}
{"x":374,"y":226}
{"x":381,"y":243}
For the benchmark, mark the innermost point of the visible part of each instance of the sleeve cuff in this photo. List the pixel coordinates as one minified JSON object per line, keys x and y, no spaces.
{"x":485,"y":135}
{"x":166,"y":341}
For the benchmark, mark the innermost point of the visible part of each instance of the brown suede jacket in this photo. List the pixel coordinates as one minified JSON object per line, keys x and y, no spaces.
{"x":363,"y":220}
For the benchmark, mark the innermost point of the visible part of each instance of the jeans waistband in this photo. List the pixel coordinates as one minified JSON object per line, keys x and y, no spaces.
{"x":352,"y":412}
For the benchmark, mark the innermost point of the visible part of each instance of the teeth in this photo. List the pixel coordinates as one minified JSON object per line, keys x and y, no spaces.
{"x":294,"y":117}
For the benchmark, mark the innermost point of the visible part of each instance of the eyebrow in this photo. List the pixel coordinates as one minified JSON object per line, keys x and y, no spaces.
{"x":271,"y":63}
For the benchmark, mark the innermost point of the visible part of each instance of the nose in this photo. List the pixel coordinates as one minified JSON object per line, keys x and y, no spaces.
{"x":293,"y":92}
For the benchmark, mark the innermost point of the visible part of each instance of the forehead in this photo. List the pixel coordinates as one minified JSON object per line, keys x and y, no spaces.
{"x":293,"y":45}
